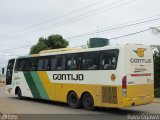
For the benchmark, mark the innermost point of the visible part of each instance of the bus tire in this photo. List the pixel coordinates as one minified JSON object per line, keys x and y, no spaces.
{"x":88,"y":102}
{"x":20,"y":94}
{"x":72,"y":100}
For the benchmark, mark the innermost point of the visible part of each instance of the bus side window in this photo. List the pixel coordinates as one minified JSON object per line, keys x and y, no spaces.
{"x":53,"y":63}
{"x":72,"y":62}
{"x":108,"y":60}
{"x":91,"y":61}
{"x":59,"y":63}
{"x":41,"y":64}
{"x":46,"y":64}
{"x":20,"y":65}
{"x":68,"y":63}
{"x":31,"y":64}
{"x":35,"y":64}
{"x":28,"y":65}
{"x":105,"y":60}
{"x":79,"y":62}
{"x":76,"y":63}
{"x":23,"y":65}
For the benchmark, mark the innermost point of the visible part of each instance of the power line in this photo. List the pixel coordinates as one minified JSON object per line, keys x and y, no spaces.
{"x":134,"y":33}
{"x":130,"y":34}
{"x":88,"y":14}
{"x":7,"y":55}
{"x":15,"y":48}
{"x":126,"y":35}
{"x":115,"y":28}
{"x":53,"y":19}
{"x":73,"y":19}
{"x":99,"y":32}
{"x":77,"y":36}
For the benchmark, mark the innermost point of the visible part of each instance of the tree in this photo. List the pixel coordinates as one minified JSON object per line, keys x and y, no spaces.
{"x":56,"y":41}
{"x":52,"y":42}
{"x":156,"y":57}
{"x":38,"y":47}
{"x":156,"y":73}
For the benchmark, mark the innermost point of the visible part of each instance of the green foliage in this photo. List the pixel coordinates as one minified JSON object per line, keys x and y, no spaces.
{"x":157,"y":92}
{"x":52,"y":42}
{"x":157,"y":69}
{"x":56,"y":41}
{"x":38,"y":47}
{"x":157,"y":73}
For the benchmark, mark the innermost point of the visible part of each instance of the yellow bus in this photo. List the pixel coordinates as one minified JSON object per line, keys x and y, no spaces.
{"x":111,"y":76}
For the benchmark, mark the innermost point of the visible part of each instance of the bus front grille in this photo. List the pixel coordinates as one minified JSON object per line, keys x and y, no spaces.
{"x":109,"y":95}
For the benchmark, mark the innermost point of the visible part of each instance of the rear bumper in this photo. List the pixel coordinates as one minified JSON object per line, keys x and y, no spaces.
{"x":128,"y":102}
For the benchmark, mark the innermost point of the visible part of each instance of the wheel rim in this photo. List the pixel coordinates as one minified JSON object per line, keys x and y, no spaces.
{"x":73,"y":99}
{"x":88,"y":101}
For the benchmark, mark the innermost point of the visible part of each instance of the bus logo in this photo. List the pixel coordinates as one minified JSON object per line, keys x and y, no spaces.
{"x":113,"y":77}
{"x":140,"y":51}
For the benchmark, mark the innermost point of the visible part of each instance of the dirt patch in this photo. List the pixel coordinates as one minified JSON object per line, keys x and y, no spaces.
{"x":2,"y":84}
{"x":157,"y":100}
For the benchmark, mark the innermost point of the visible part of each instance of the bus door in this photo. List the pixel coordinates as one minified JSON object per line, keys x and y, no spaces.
{"x":9,"y":71}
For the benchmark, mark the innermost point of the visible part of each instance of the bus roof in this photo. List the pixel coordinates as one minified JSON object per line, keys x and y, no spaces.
{"x":59,"y":50}
{"x":76,"y":50}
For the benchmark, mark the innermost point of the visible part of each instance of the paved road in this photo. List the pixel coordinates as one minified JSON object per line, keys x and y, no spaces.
{"x":11,"y":105}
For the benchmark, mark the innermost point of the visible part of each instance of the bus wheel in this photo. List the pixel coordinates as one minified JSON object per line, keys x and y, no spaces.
{"x":87,"y":101}
{"x":73,"y":100}
{"x":20,"y":94}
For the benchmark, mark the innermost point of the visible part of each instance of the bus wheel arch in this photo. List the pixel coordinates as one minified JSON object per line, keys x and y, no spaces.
{"x":73,"y":100}
{"x":87,"y":101}
{"x":18,"y":92}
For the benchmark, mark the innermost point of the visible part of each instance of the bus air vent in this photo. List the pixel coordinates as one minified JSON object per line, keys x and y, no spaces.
{"x":109,"y":95}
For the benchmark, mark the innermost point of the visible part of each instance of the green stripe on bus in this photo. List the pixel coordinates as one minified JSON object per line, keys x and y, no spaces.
{"x":32,"y":85}
{"x":39,"y":85}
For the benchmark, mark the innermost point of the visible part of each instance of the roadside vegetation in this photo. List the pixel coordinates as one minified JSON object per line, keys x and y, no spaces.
{"x":156,"y":57}
{"x":157,"y":74}
{"x":52,"y":42}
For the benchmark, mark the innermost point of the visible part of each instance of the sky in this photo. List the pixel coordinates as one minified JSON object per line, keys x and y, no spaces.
{"x":22,"y":22}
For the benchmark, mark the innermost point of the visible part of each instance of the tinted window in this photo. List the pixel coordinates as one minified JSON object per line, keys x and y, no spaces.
{"x":44,"y":63}
{"x":9,"y":71}
{"x":90,"y":60}
{"x":109,"y":60}
{"x":72,"y":62}
{"x":95,"y":60}
{"x":53,"y":62}
{"x":31,"y":64}
{"x":20,"y":64}
{"x":59,"y":63}
{"x":41,"y":64}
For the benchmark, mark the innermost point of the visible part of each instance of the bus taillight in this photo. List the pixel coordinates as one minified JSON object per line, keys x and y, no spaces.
{"x":124,"y":86}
